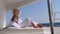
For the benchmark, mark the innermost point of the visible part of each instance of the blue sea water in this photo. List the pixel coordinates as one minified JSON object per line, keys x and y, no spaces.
{"x":56,"y":24}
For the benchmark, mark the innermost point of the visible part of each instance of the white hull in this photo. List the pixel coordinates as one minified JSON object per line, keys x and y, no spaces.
{"x":22,"y":31}
{"x":44,"y":30}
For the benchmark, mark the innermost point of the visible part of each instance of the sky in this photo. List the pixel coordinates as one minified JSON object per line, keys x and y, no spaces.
{"x":56,"y":9}
{"x":37,"y":11}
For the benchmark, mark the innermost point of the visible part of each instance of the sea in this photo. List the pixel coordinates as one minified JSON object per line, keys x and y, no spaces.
{"x":56,"y":24}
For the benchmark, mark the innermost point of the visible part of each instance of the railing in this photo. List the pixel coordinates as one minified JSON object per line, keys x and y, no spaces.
{"x":55,"y":16}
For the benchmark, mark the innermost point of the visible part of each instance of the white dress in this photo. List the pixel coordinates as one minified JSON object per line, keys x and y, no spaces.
{"x":22,"y":24}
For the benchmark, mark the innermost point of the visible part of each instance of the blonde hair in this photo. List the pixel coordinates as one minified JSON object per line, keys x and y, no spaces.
{"x":13,"y":17}
{"x":15,"y":10}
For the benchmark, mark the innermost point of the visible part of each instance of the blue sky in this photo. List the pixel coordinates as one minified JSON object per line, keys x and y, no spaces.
{"x":37,"y":11}
{"x":56,"y":8}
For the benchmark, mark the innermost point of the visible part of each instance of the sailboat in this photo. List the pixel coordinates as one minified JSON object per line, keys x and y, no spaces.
{"x":6,"y":5}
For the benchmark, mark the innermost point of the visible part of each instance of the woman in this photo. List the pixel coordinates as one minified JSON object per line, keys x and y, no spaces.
{"x":18,"y":23}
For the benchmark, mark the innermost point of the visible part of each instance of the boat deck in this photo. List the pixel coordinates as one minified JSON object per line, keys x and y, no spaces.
{"x":44,"y":30}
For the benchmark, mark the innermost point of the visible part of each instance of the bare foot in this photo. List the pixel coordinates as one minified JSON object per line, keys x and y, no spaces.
{"x":38,"y":25}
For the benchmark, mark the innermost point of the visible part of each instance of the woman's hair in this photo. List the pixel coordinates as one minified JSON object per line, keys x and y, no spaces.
{"x":13,"y":17}
{"x":15,"y":10}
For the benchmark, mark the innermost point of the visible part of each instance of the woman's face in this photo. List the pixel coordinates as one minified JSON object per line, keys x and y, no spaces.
{"x":16,"y":12}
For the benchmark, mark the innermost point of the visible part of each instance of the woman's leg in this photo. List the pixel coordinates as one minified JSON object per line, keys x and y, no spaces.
{"x":26,"y":22}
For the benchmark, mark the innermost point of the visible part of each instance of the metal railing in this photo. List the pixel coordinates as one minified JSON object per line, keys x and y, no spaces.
{"x":55,"y":16}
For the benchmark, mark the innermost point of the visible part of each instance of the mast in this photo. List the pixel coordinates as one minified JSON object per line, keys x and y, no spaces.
{"x":50,"y":15}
